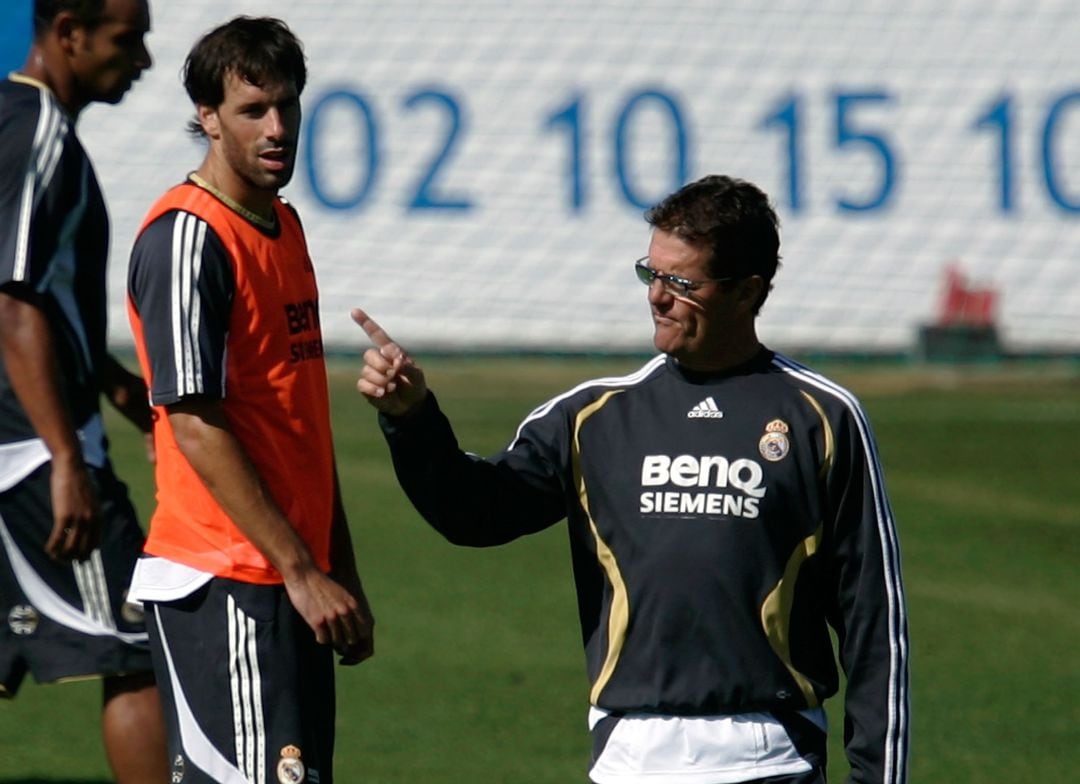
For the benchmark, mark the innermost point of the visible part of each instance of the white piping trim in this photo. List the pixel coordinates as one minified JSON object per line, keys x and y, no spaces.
{"x":636,"y":377}
{"x":188,"y":239}
{"x":196,"y":746}
{"x":896,"y":739}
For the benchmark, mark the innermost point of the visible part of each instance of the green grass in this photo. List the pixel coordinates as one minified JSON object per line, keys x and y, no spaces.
{"x":479,"y":674}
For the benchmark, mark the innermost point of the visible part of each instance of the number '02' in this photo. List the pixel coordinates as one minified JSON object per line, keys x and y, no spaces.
{"x":426,"y":194}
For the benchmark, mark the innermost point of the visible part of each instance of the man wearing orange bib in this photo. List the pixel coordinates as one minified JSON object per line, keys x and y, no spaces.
{"x":248,"y":570}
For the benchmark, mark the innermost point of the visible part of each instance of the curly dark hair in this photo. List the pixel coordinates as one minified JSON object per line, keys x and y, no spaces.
{"x":259,"y":50}
{"x":732,"y":219}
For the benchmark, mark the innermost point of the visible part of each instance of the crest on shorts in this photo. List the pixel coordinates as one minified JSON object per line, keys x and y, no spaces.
{"x":774,"y":445}
{"x":290,"y":770}
{"x":23,"y":620}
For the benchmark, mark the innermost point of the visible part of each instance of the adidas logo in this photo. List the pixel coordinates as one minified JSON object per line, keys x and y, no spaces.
{"x":706,"y":409}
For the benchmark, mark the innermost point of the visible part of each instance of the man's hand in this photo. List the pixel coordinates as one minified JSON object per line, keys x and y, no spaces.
{"x":338,"y":616}
{"x":77,"y":520}
{"x":390,"y":380}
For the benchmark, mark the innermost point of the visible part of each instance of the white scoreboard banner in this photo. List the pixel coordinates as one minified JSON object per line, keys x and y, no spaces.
{"x":474,"y":172}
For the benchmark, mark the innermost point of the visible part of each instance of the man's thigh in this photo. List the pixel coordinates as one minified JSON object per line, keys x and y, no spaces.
{"x":248,"y":693}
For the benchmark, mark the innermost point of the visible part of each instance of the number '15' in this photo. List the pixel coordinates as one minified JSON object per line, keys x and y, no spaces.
{"x":850,"y":133}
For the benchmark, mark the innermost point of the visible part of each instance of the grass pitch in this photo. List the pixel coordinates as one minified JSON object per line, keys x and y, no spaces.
{"x":479,"y":674}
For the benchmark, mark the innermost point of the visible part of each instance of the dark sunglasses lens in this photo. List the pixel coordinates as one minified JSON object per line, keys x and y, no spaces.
{"x":644,"y":274}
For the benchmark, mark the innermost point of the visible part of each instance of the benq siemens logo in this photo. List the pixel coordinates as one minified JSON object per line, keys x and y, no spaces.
{"x":687,"y":485}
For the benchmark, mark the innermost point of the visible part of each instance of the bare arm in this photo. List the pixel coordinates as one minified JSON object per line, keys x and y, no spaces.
{"x":127,"y":393}
{"x":29,"y":354}
{"x":330,"y":609}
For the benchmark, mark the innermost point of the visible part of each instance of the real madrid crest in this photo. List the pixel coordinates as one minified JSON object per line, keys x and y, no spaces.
{"x":774,"y":445}
{"x":290,"y":770}
{"x":23,"y":620}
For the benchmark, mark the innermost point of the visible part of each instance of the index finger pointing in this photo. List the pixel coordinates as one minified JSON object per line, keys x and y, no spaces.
{"x":370,"y":326}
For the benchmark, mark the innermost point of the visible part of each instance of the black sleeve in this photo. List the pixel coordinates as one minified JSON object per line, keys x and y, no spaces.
{"x":181,"y":285}
{"x":869,"y":612}
{"x":469,"y":500}
{"x":40,"y":169}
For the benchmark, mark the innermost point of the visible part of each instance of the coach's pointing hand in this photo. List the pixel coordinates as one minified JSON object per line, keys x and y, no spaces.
{"x":390,"y":380}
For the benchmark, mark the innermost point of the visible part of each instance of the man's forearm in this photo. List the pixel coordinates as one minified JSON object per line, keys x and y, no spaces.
{"x":336,"y":612}
{"x":203,"y":436}
{"x":127,"y":392}
{"x":26,"y":342}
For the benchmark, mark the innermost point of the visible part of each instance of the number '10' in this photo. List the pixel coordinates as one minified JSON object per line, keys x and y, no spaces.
{"x":1000,"y":116}
{"x":571,"y":119}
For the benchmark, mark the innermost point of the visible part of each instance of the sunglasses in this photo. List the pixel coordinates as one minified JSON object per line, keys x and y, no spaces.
{"x":673,"y":284}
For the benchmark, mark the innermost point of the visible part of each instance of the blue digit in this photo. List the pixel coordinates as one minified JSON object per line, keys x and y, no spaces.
{"x":788,"y":117}
{"x":680,"y":171}
{"x":314,"y":126}
{"x":426,"y":196}
{"x":570,"y":117}
{"x":1000,"y":116}
{"x":877,"y":143}
{"x":1057,"y":193}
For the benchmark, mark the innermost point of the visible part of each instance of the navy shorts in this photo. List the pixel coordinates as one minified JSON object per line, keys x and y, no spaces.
{"x":248,"y":692}
{"x":67,"y":621}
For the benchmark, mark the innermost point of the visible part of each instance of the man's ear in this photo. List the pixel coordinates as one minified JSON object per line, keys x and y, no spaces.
{"x":750,"y":291}
{"x":68,"y":30}
{"x":208,"y":119}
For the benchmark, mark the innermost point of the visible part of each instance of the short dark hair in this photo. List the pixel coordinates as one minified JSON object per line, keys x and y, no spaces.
{"x":732,"y":219}
{"x":89,"y":12}
{"x":260,"y":50}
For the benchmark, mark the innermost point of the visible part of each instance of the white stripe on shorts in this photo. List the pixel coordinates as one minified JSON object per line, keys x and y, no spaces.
{"x":197,"y":747}
{"x":90,"y":577}
{"x":246,"y":685}
{"x":49,"y":603}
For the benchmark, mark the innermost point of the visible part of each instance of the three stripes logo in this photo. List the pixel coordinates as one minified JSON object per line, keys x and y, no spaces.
{"x":706,"y":409}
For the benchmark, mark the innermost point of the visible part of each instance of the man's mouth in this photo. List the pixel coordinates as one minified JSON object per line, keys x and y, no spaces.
{"x":276,"y":158}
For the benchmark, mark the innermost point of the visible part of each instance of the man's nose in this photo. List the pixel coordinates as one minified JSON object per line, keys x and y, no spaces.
{"x":658,"y":293}
{"x":275,"y":127}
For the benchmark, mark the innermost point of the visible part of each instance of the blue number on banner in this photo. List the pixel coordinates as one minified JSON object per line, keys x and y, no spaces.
{"x":1057,"y":193}
{"x":570,"y":117}
{"x":680,"y":171}
{"x":788,"y":117}
{"x":846,"y":134}
{"x":363,"y":188}
{"x":1000,"y":116}
{"x":427,"y":196}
